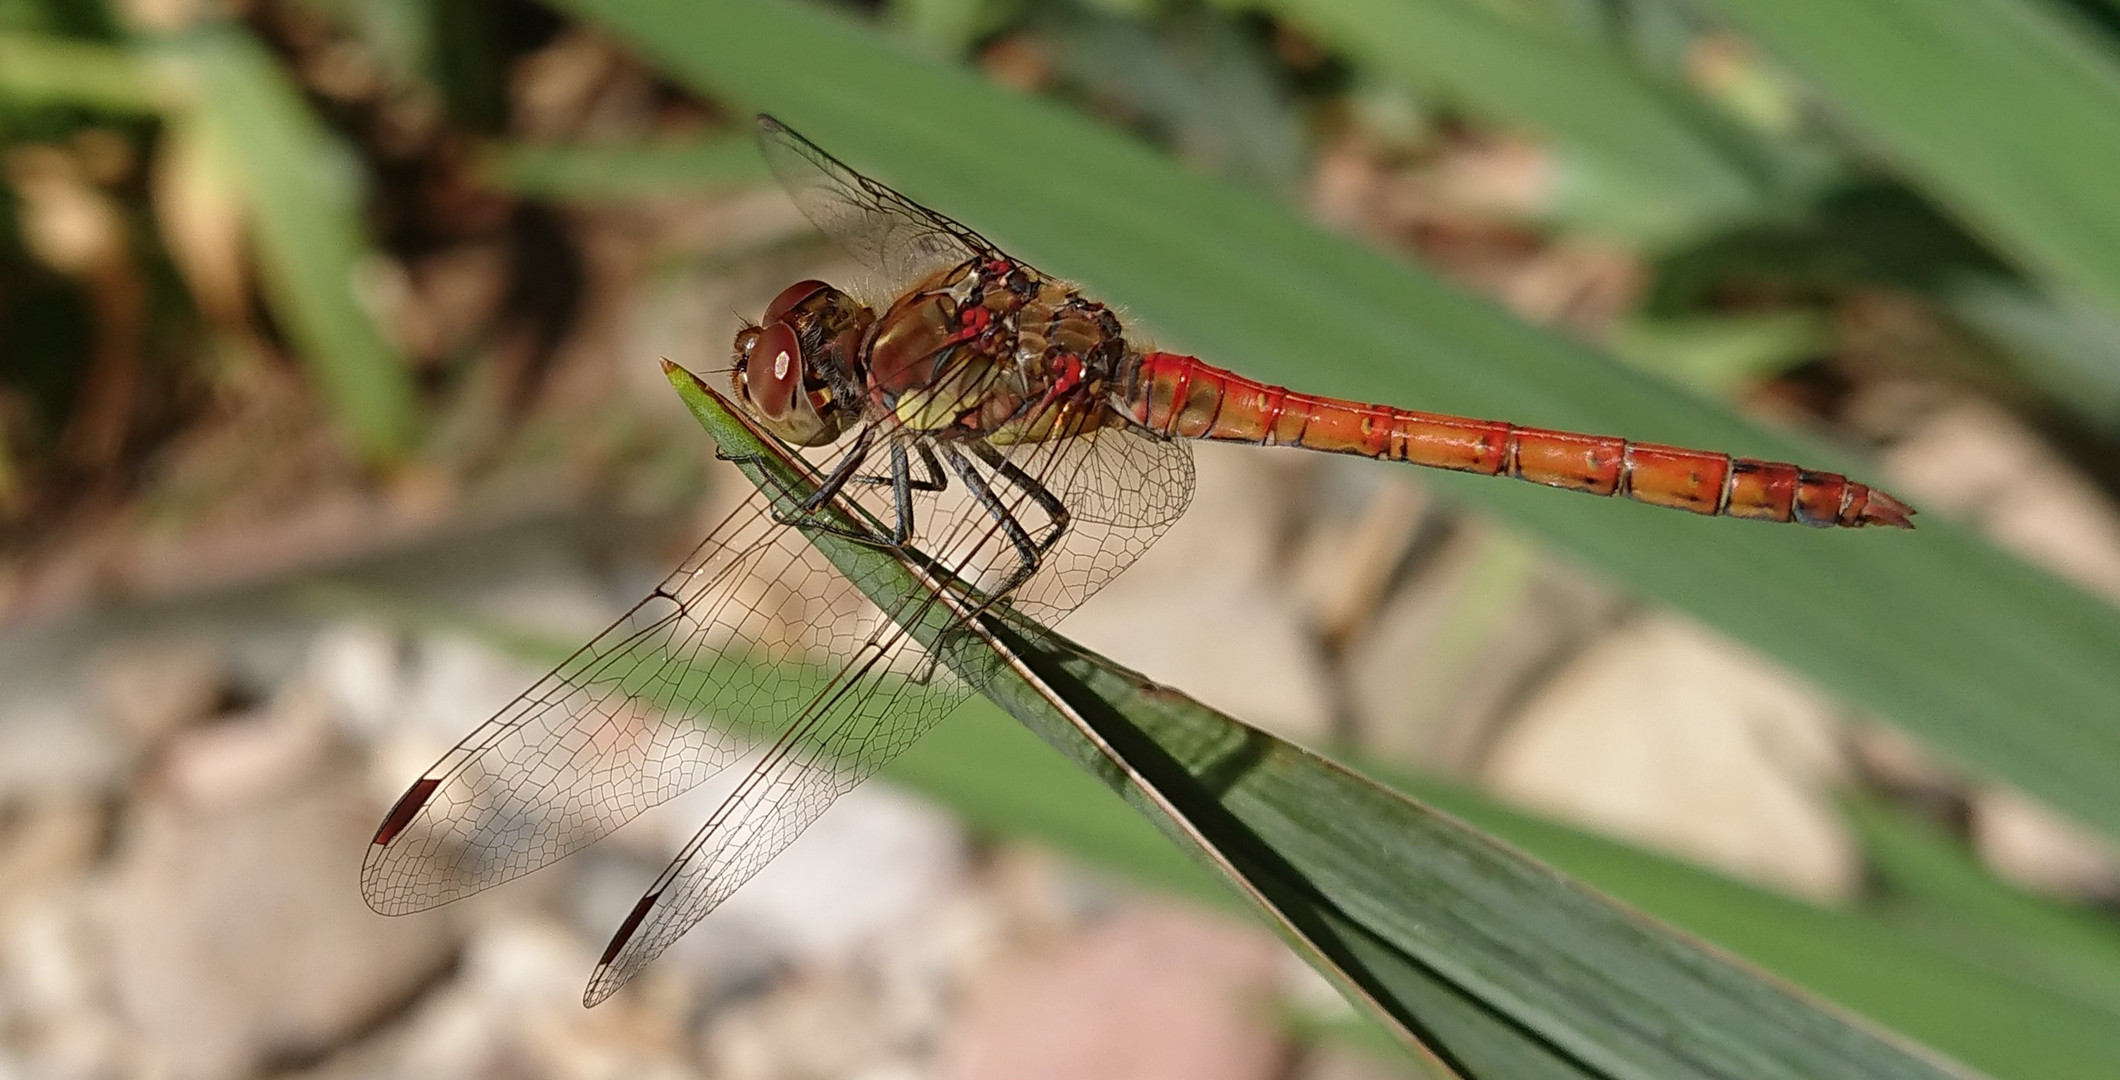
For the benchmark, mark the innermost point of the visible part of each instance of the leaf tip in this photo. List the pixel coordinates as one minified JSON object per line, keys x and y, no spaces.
{"x":680,"y":377}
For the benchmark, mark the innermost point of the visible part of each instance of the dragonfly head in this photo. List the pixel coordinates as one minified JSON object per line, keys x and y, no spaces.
{"x":795,"y":372}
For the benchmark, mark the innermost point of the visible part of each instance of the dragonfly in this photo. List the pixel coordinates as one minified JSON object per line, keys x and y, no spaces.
{"x":999,"y":421}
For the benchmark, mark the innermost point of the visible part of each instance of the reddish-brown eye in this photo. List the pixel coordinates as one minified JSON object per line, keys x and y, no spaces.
{"x":791,"y":296}
{"x":774,"y":371}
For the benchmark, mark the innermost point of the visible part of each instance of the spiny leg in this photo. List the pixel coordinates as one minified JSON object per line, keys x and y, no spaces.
{"x":933,"y":481}
{"x":1055,"y":511}
{"x":1030,"y":551}
{"x":841,"y":473}
{"x":844,"y":472}
{"x":902,"y":487}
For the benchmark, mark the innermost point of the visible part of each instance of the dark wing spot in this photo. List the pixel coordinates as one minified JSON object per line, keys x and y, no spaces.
{"x":625,"y":929}
{"x":408,"y":805}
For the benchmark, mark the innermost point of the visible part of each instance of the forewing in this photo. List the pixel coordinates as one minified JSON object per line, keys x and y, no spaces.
{"x":891,"y":234}
{"x":888,"y":698}
{"x":1129,"y":486}
{"x":725,"y":653}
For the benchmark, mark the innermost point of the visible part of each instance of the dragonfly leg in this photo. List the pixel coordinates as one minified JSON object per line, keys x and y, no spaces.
{"x":832,"y":483}
{"x":902,"y":486}
{"x":848,"y":468}
{"x":933,"y":481}
{"x":1055,"y":511}
{"x":805,"y":513}
{"x":847,"y":471}
{"x":1030,"y":551}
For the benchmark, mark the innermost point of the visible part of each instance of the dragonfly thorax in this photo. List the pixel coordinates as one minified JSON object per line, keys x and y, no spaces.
{"x":991,"y":349}
{"x":795,"y":372}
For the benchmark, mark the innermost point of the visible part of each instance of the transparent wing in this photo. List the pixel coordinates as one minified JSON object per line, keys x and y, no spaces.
{"x":854,"y":728}
{"x":889,"y":233}
{"x":724,"y":654}
{"x":1131,"y":485}
{"x":757,"y":645}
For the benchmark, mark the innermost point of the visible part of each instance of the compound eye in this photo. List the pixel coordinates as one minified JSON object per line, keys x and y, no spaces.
{"x":790,"y":297}
{"x":774,"y":371}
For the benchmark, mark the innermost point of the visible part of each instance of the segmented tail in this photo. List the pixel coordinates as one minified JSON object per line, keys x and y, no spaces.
{"x":1182,"y":396}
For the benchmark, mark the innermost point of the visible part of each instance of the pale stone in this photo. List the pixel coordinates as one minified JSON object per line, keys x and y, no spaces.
{"x":46,"y":845}
{"x":50,"y":745}
{"x":150,"y":689}
{"x":1892,"y":760}
{"x":236,"y":932}
{"x":250,"y":758}
{"x":359,"y":668}
{"x":455,"y":683}
{"x":548,"y":594}
{"x":514,"y":1006}
{"x":1666,"y":735}
{"x":1974,"y":460}
{"x":1344,"y":564}
{"x":819,"y":1027}
{"x":49,"y":954}
{"x":2038,"y":849}
{"x":1206,"y":609}
{"x":1453,"y":651}
{"x":1154,"y":993}
{"x":864,"y":873}
{"x":54,"y":995}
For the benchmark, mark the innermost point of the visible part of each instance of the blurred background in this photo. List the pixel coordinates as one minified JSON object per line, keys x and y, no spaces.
{"x":330,"y":416}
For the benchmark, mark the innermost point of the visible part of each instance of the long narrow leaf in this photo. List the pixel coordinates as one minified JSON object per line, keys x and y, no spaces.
{"x":594,"y":173}
{"x":301,"y":198}
{"x":1500,"y":965}
{"x":37,"y":69}
{"x":2007,"y":111}
{"x":1652,"y":171}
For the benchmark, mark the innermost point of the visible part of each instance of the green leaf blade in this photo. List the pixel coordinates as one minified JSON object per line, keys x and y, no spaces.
{"x":628,"y":171}
{"x":1656,"y":176}
{"x":2006,"y":111}
{"x":37,"y":69}
{"x":299,"y":191}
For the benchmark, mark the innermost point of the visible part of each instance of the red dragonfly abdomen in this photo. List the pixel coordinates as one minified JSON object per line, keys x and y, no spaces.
{"x":1184,"y":397}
